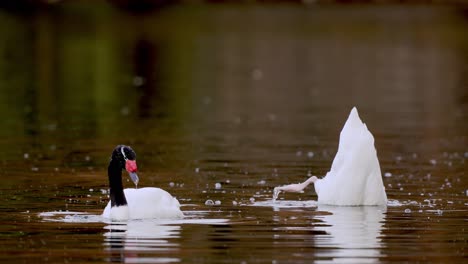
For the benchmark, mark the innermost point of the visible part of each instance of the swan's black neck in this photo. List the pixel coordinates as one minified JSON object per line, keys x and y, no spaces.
{"x":117,"y":195}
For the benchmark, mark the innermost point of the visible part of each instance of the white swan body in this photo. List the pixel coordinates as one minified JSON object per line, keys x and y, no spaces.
{"x":145,"y":203}
{"x":354,"y":177}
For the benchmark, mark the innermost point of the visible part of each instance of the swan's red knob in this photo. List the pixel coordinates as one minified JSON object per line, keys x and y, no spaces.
{"x":130,"y":166}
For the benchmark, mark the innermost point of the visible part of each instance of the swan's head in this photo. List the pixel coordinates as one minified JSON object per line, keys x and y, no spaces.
{"x":127,"y":159}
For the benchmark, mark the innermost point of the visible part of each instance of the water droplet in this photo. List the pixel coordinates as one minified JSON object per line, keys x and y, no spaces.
{"x":91,"y":190}
{"x":209,"y":202}
{"x":125,"y":111}
{"x":299,"y":153}
{"x":262,"y":182}
{"x":197,"y":170}
{"x":388,"y":174}
{"x":433,"y":161}
{"x":207,"y":100}
{"x":51,"y":127}
{"x":257,"y":74}
{"x":407,"y":211}
{"x":217,"y":202}
{"x":440,"y":212}
{"x":272,"y":117}
{"x":26,"y":155}
{"x":252,"y":200}
{"x":218,"y":185}
{"x":234,"y":203}
{"x":171,"y":184}
{"x":138,"y":81}
{"x":310,"y":154}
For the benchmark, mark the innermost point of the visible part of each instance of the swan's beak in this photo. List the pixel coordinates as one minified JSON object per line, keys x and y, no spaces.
{"x":131,"y":167}
{"x":134,"y":177}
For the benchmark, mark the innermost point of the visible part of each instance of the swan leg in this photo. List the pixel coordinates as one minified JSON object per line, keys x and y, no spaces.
{"x":297,"y":187}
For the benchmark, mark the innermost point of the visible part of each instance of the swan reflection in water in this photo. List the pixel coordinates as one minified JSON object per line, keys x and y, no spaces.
{"x":140,"y":241}
{"x":354,"y":233}
{"x":149,"y":241}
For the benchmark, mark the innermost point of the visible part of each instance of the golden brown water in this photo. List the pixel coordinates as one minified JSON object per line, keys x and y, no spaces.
{"x":224,"y":103}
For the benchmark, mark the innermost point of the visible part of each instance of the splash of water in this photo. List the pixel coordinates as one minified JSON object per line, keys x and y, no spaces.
{"x":285,"y":204}
{"x":70,"y":217}
{"x":192,"y":217}
{"x":276,"y":192}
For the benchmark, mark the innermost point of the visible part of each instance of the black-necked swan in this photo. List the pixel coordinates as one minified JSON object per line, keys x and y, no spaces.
{"x":355,"y":177}
{"x":143,"y":203}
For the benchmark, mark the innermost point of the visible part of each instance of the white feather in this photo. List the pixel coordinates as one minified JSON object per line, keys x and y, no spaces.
{"x":355,"y":177}
{"x":145,"y":203}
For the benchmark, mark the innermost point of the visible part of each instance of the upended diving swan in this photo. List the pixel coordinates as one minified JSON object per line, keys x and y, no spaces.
{"x":354,"y":178}
{"x":143,"y":203}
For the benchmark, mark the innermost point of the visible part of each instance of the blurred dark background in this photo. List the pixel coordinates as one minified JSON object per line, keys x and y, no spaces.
{"x":230,"y":76}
